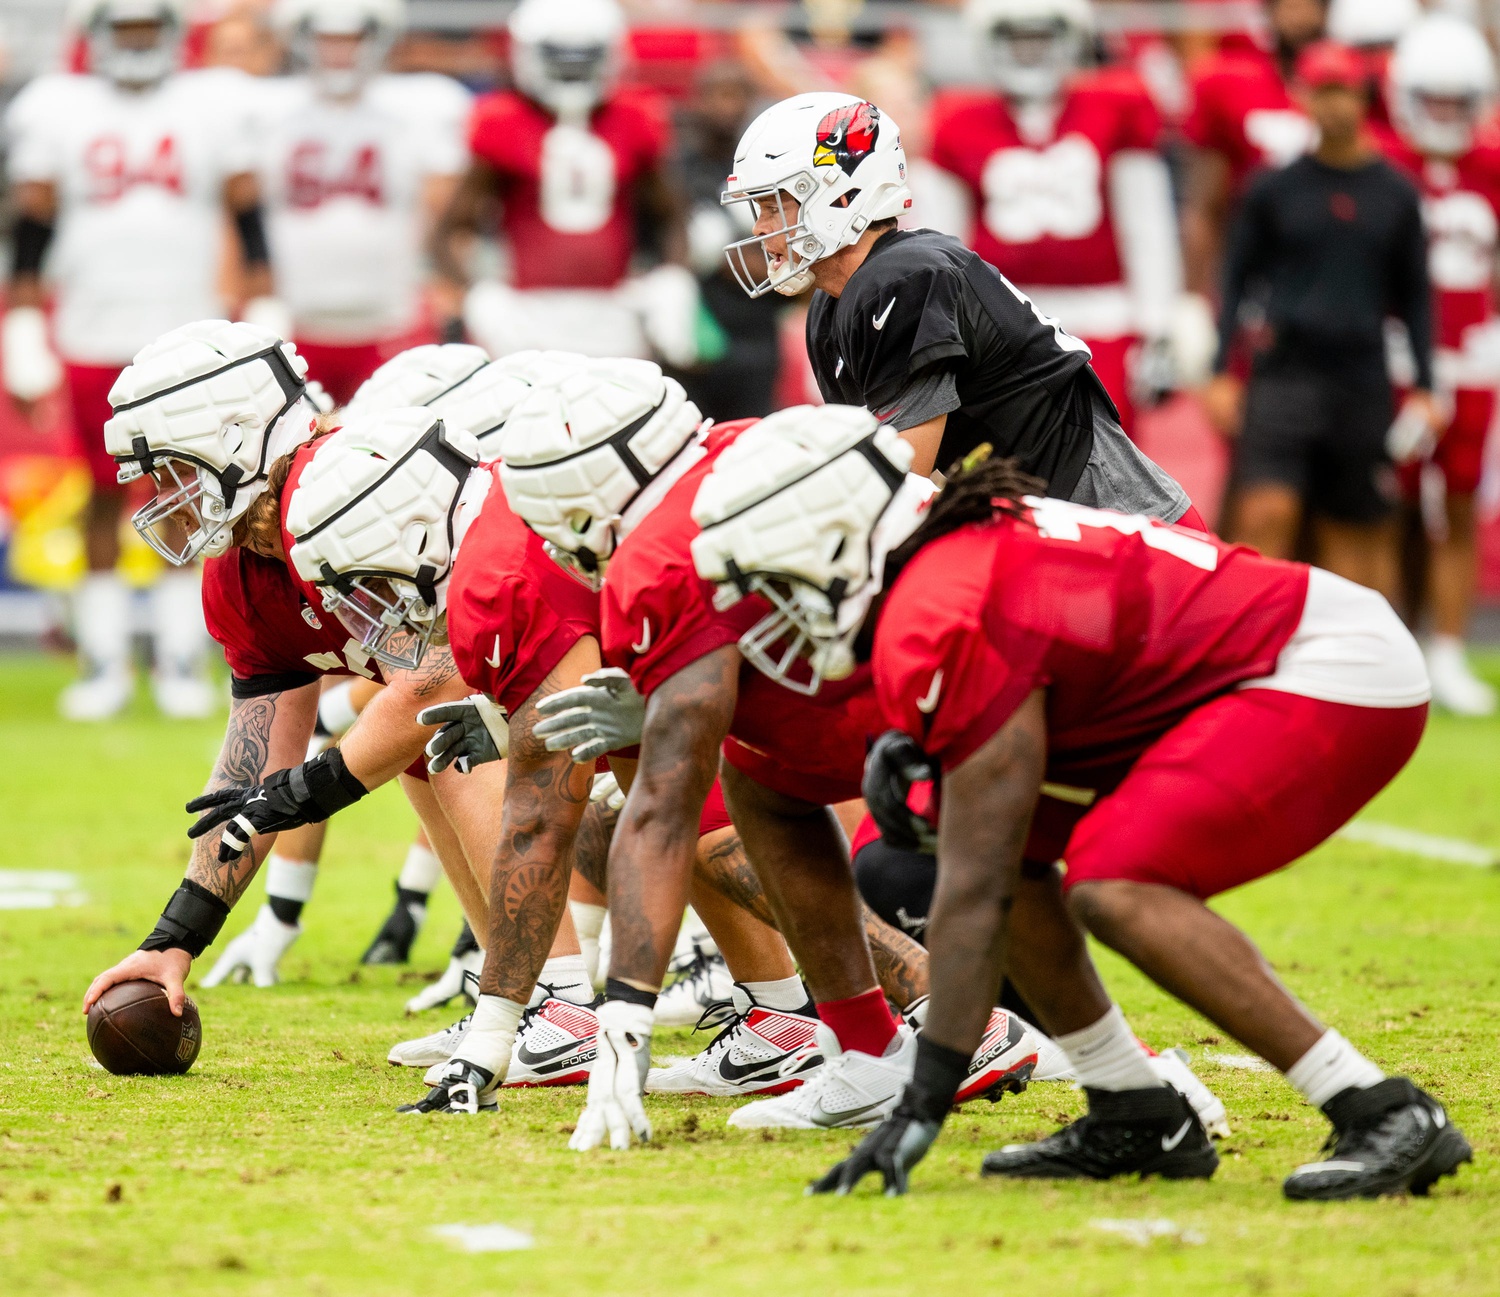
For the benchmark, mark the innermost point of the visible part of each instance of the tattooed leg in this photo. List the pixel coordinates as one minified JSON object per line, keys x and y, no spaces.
{"x":591,"y":851}
{"x":750,"y":944}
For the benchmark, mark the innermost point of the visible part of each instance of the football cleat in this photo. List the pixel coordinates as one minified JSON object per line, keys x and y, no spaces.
{"x":1124,"y":1132}
{"x":464,"y":1087}
{"x":254,"y":954}
{"x":1172,"y":1067}
{"x":556,"y":1044}
{"x":705,"y":982}
{"x":182,"y":696}
{"x":98,"y":697}
{"x":759,"y":1051}
{"x":393,"y":943}
{"x":1006,"y":1057}
{"x":437,"y":1048}
{"x":1455,"y":687}
{"x":1388,"y":1138}
{"x":454,"y":981}
{"x":850,"y":1091}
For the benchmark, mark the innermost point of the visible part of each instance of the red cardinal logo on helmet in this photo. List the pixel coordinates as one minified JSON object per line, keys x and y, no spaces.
{"x":847,"y":136}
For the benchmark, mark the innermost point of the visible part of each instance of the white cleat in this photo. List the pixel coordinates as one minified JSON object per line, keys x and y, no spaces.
{"x":1455,"y":687}
{"x":1051,"y":1061}
{"x":1006,"y":1057}
{"x":556,"y":1045}
{"x":706,"y":981}
{"x":184,"y":697}
{"x":850,"y":1091}
{"x":1172,"y":1067}
{"x":98,"y":697}
{"x":254,"y":954}
{"x":760,"y":1051}
{"x":430,"y":1051}
{"x":452,"y":983}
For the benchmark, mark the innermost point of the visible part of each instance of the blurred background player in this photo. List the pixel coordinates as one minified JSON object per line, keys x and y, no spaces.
{"x":1442,"y":91}
{"x":572,"y":169}
{"x":132,"y":167}
{"x":1371,"y":28}
{"x":356,"y":164}
{"x":1073,"y":201}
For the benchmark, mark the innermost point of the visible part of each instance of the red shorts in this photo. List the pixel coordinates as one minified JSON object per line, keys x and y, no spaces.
{"x":1112,"y":364}
{"x":88,"y":392}
{"x":715,"y":813}
{"x":341,"y":369}
{"x":1460,"y":454}
{"x":1240,"y":788}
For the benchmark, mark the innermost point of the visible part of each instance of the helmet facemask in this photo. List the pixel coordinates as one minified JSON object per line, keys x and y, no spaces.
{"x":755,"y":267}
{"x":1032,"y":60}
{"x":118,"y":48}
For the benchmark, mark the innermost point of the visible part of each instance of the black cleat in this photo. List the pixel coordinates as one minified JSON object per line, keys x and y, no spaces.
{"x":1124,"y":1132}
{"x":1388,"y":1138}
{"x":393,"y":943}
{"x":465,"y":1087}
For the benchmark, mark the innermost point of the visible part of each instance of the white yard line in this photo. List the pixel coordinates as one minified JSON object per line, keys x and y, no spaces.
{"x":484,"y":1238}
{"x":1453,"y":851}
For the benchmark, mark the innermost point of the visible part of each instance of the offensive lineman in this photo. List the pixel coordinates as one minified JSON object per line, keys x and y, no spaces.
{"x":126,"y":174}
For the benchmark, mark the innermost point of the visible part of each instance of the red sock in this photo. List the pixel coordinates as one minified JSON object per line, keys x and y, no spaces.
{"x":861,"y":1022}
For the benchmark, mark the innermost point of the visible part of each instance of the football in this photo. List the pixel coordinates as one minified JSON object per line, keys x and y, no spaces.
{"x":133,"y":1032}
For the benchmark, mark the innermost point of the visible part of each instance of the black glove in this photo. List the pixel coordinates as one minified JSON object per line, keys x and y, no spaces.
{"x":895,"y":763}
{"x":305,"y":794}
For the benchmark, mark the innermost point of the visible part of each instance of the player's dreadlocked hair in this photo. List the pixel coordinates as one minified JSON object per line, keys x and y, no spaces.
{"x":979,"y":489}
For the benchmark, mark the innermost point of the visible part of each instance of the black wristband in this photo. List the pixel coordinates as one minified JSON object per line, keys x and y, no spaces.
{"x":325,"y":781}
{"x":190,"y":922}
{"x":29,"y":242}
{"x":614,"y":989}
{"x":939,"y":1073}
{"x":252,"y":227}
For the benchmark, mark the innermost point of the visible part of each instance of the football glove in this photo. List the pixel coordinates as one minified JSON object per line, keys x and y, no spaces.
{"x":603,"y":714}
{"x":892,"y":1148}
{"x":895,"y":763}
{"x":606,"y":788}
{"x":618,"y":1080}
{"x":305,"y":794}
{"x":476,"y":730}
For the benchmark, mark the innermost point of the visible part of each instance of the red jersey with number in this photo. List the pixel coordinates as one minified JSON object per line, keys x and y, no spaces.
{"x":513,"y":614}
{"x":659,"y":617}
{"x":565,"y":191}
{"x":1243,"y":110}
{"x":1128,"y":624}
{"x":1043,"y":210}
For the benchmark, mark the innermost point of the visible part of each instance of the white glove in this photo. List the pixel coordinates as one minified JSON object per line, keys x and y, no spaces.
{"x":32,"y":368}
{"x":1195,"y":339}
{"x":254,"y":954}
{"x":606,"y":788}
{"x":603,"y":714}
{"x":1155,"y":372}
{"x":475,"y":730}
{"x":667,"y":299}
{"x":1411,"y":436}
{"x":618,"y":1079}
{"x":270,"y":313}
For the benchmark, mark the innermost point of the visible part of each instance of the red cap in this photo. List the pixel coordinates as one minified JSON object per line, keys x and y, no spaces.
{"x":1327,"y":63}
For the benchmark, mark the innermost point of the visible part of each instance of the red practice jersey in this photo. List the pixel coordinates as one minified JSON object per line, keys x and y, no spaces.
{"x":565,"y":192}
{"x":1129,"y":624}
{"x":1043,"y":210}
{"x":659,"y":617}
{"x":1243,"y":110}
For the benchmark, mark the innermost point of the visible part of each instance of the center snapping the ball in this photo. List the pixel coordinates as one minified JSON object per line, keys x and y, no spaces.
{"x":133,"y":1031}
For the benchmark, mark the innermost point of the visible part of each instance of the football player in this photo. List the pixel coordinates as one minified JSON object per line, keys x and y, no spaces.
{"x":1442,"y":91}
{"x":915,"y":326}
{"x":1173,"y":716}
{"x":1073,"y":202}
{"x":1372,"y":28}
{"x":575,"y":166}
{"x":129,"y":170}
{"x":355,"y":164}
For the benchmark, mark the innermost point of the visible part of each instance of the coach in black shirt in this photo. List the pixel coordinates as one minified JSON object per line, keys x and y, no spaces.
{"x":1335,"y":241}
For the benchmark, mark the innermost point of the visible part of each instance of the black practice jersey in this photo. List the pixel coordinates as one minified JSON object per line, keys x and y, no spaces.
{"x":922,"y":300}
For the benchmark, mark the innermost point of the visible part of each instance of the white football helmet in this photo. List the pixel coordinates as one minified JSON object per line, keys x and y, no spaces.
{"x":1371,"y":24}
{"x":566,"y":54}
{"x":205,"y":410}
{"x":128,"y":64}
{"x":802,"y":510}
{"x":1443,"y":84}
{"x":376,"y":22}
{"x":593,"y":446}
{"x":374,"y":523}
{"x":1032,"y":46}
{"x":839,"y":159}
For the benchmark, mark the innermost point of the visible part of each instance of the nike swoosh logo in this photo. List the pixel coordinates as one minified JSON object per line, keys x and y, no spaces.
{"x":645,"y":637}
{"x":494,"y":657}
{"x":928,"y":704}
{"x":1168,"y":1144}
{"x":884,"y":315}
{"x":533,"y":1059}
{"x":771,"y":157}
{"x":822,"y":1117}
{"x":736,"y":1073}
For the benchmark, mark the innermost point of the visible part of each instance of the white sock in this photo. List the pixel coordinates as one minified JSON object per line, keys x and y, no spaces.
{"x":335,"y":709}
{"x":1107,"y":1056}
{"x":785,"y":993}
{"x":291,"y":880}
{"x":566,"y":978}
{"x":492,"y":1034}
{"x":177,"y":623}
{"x":588,"y":922}
{"x":421,"y":871}
{"x":1330,"y":1066}
{"x":101,"y":623}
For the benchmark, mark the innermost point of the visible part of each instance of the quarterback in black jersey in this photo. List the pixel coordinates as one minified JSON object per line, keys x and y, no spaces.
{"x":913,"y":325}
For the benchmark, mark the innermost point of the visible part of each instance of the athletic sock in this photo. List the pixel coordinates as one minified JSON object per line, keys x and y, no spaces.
{"x":564,"y":977}
{"x":289,"y":886}
{"x":861,"y":1022}
{"x":336,"y":713}
{"x":492,"y":1034}
{"x":1107,"y":1056}
{"x":785,"y":993}
{"x":101,"y":623}
{"x":420,"y":874}
{"x":177,"y":627}
{"x":588,"y":922}
{"x":1329,"y":1067}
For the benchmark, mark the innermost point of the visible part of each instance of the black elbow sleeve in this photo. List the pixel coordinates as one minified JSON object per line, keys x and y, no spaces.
{"x":251,"y":224}
{"x":30,"y":239}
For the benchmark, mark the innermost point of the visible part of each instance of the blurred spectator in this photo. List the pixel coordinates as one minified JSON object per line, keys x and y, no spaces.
{"x":1337,"y":239}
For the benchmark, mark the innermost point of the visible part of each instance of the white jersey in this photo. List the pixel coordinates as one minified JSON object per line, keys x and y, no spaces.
{"x":343,"y":185}
{"x":140,"y":187}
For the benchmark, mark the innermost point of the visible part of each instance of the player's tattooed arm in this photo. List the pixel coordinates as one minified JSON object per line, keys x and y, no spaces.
{"x":591,"y":849}
{"x":900,"y":962}
{"x":652,"y":857}
{"x":387,"y":737}
{"x":988,"y":803}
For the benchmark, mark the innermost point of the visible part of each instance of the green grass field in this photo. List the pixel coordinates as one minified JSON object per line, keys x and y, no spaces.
{"x":278,"y":1166}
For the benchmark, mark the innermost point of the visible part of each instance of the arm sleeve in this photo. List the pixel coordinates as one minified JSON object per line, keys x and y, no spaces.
{"x":1140,"y":195}
{"x":1246,"y":247}
{"x":1412,"y":295}
{"x":932,"y":392}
